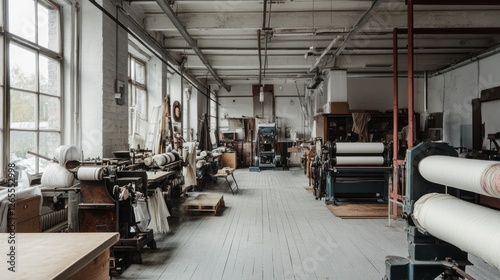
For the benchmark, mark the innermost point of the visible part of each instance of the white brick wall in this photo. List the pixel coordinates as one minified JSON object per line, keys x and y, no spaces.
{"x":104,"y":124}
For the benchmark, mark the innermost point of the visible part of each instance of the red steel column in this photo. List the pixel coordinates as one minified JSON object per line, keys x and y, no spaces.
{"x":393,"y":193}
{"x":395,"y":107}
{"x":410,"y":75}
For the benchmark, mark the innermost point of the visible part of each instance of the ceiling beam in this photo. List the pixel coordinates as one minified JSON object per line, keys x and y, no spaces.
{"x":342,"y":21}
{"x":361,"y":22}
{"x":175,"y":21}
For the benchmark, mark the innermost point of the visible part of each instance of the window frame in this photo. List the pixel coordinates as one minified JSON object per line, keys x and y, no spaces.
{"x":13,"y":39}
{"x":133,"y":85}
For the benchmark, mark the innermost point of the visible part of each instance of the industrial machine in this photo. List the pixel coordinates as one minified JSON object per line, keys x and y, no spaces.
{"x":106,"y":206}
{"x":352,"y":170}
{"x":207,"y":165}
{"x":266,"y":145}
{"x":441,"y":227}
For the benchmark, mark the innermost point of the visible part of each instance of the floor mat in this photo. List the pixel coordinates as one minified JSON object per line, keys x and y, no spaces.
{"x":359,"y":210}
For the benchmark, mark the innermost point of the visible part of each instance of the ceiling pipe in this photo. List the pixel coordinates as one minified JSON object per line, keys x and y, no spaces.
{"x":487,"y":53}
{"x":192,"y":43}
{"x":364,"y":18}
{"x":318,"y":60}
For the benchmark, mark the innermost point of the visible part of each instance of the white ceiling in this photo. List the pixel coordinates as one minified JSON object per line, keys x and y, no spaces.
{"x":226,"y":32}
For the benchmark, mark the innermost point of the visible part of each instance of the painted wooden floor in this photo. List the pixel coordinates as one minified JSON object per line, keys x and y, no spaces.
{"x":274,"y":229}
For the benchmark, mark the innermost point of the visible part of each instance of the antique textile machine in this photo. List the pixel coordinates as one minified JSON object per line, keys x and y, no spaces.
{"x":442,"y":228}
{"x":354,"y":170}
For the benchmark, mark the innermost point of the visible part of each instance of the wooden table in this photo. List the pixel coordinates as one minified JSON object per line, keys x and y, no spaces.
{"x":59,"y":255}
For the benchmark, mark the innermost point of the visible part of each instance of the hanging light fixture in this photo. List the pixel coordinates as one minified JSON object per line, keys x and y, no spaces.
{"x":261,"y":94}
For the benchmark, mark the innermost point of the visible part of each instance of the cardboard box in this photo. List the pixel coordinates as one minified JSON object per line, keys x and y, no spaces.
{"x":336,"y":108}
{"x":294,"y":150}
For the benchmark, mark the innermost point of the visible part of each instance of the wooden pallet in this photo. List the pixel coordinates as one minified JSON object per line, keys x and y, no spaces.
{"x":206,"y":203}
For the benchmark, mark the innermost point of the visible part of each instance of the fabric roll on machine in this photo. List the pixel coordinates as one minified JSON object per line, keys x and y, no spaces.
{"x":352,"y":170}
{"x":442,"y":226}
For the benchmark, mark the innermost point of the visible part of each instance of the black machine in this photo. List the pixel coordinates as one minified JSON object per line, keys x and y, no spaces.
{"x":351,"y":170}
{"x":429,"y":257}
{"x":266,"y":145}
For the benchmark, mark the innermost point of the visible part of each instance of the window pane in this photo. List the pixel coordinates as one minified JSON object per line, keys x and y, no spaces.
{"x":140,"y":73}
{"x":48,"y":27}
{"x":22,"y":68}
{"x":49,"y":142}
{"x":20,"y":144}
{"x":50,"y":113}
{"x":23,"y":110}
{"x":22,"y":18}
{"x":50,"y":76}
{"x":141,"y":103}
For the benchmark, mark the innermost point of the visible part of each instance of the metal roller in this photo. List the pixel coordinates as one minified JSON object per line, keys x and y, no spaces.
{"x":358,"y":160}
{"x":470,"y":227}
{"x":358,"y":148}
{"x":478,"y":176}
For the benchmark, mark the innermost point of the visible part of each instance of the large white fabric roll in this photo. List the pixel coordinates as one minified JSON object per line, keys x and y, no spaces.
{"x":65,"y":153}
{"x":56,"y":176}
{"x":160,"y":159}
{"x":479,"y":176}
{"x":90,"y":173}
{"x":470,"y":227}
{"x":371,"y":161}
{"x":359,"y":148}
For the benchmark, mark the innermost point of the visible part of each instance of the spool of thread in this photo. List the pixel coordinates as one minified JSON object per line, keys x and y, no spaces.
{"x":148,"y":161}
{"x":90,"y":173}
{"x":176,"y":155}
{"x":200,"y":163}
{"x":56,"y":176}
{"x":170,"y":157}
{"x":160,"y":159}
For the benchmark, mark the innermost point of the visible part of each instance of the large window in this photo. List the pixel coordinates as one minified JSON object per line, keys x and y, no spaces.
{"x":213,"y":118}
{"x":34,"y":81}
{"x":138,"y":100}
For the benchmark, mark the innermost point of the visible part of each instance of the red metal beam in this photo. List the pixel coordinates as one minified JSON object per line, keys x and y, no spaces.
{"x":481,"y":30}
{"x":394,"y":195}
{"x":411,"y":101}
{"x":395,"y":104}
{"x":455,"y":2}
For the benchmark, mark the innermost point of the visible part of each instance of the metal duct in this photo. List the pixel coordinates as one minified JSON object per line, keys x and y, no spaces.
{"x":192,"y":43}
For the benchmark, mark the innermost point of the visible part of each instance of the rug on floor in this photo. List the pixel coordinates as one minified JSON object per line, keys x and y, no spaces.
{"x":359,"y":210}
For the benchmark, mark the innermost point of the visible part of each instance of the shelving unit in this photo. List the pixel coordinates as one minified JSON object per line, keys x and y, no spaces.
{"x":339,"y":127}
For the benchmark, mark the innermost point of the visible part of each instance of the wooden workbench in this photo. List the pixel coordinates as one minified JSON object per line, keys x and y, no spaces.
{"x":59,"y":255}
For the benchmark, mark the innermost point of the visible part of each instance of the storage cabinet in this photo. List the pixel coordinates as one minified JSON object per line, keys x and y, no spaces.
{"x":380,"y":127}
{"x":27,"y":214}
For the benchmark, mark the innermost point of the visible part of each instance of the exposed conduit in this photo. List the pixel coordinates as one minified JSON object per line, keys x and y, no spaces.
{"x":192,"y":43}
{"x":364,"y":18}
{"x":169,"y":61}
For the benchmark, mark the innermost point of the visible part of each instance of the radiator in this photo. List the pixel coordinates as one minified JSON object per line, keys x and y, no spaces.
{"x":52,"y":219}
